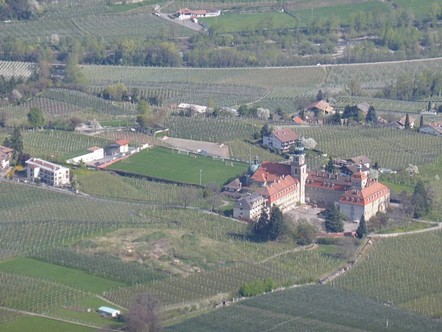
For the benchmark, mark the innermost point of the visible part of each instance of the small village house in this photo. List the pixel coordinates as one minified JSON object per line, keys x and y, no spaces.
{"x":47,"y":172}
{"x":5,"y":156}
{"x":321,"y":107}
{"x":94,"y":153}
{"x":432,"y":129}
{"x":188,"y":14}
{"x":249,"y":207}
{"x":280,"y":139}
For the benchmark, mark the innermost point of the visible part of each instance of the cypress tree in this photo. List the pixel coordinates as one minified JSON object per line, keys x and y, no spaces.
{"x":407,"y":122}
{"x":361,"y":232}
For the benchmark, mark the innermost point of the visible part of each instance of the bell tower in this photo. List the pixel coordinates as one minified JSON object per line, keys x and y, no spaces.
{"x":298,"y":169}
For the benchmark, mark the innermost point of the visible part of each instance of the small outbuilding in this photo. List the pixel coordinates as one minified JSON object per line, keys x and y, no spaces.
{"x":108,"y":312}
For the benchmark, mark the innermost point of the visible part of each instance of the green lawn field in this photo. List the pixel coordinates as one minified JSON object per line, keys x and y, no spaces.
{"x":169,"y":165}
{"x":70,"y":277}
{"x":37,"y":324}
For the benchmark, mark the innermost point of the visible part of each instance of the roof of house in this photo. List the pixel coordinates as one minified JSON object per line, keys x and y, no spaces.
{"x":360,"y":160}
{"x":188,"y":11}
{"x":285,"y":135}
{"x":328,"y":181}
{"x":235,"y":184}
{"x":435,"y":127}
{"x":402,"y":120}
{"x":321,"y":105}
{"x":269,"y":172}
{"x":298,"y":120}
{"x":372,"y":192}
{"x":122,"y":142}
{"x":94,"y":148}
{"x":36,"y":162}
{"x":4,"y":149}
{"x":248,"y":202}
{"x":359,"y":175}
{"x":278,"y":186}
{"x":363,"y":107}
{"x":354,"y":168}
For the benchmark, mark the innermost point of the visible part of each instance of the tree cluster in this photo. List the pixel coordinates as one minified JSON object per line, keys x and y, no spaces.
{"x":257,"y":287}
{"x":421,"y":200}
{"x":144,"y":314}
{"x":333,"y":220}
{"x":270,"y":228}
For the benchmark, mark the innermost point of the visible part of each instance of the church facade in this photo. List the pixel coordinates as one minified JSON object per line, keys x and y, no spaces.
{"x":289,"y":184}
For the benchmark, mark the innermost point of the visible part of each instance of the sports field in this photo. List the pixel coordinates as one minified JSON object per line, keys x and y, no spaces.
{"x":167,"y":164}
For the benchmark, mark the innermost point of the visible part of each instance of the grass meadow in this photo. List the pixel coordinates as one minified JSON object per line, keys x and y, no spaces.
{"x":167,"y":164}
{"x":39,"y":324}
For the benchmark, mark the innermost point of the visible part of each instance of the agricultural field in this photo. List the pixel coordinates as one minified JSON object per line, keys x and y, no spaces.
{"x":391,"y":148}
{"x":243,"y":150}
{"x":401,"y":272}
{"x":309,"y":308}
{"x":58,"y":145}
{"x":173,"y":165}
{"x":104,"y":184}
{"x":9,"y":69}
{"x":242,"y":22}
{"x":38,"y":324}
{"x":210,"y":129}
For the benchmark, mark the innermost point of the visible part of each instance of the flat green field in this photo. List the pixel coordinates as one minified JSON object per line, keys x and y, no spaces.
{"x":70,"y":277}
{"x":38,"y":324}
{"x":167,"y":164}
{"x":280,"y":20}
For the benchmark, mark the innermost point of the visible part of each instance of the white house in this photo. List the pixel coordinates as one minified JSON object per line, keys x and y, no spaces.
{"x":123,"y":144}
{"x":50,"y":173}
{"x":187,"y":14}
{"x":109,"y":312}
{"x":249,"y":207}
{"x":5,"y":156}
{"x":280,"y":139}
{"x":95,"y":153}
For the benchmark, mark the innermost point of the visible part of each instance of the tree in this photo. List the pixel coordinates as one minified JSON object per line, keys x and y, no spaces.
{"x":407,"y":121}
{"x":319,"y":95}
{"x":36,"y":118}
{"x":277,"y":226}
{"x":144,"y":114}
{"x":371,"y":116}
{"x":308,"y":143}
{"x":330,"y":167}
{"x":333,"y":220}
{"x":265,"y":130}
{"x":304,"y":233}
{"x":15,"y":142}
{"x":420,"y":200}
{"x":362,"y":228}
{"x":144,"y":314}
{"x":421,"y":121}
{"x":261,"y":227}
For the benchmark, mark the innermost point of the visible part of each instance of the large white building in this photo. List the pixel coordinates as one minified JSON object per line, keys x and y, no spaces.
{"x":47,"y":172}
{"x":94,"y":153}
{"x":280,"y":139}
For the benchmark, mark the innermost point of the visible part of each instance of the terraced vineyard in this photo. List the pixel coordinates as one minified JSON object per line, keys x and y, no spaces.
{"x":209,"y":129}
{"x":402,"y":272}
{"x":311,"y":308}
{"x":391,"y":148}
{"x":58,"y":145}
{"x":9,"y":69}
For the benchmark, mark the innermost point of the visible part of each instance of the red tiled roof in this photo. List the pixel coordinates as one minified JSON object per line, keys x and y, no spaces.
{"x":285,"y":135}
{"x":359,"y":175}
{"x":269,"y":172}
{"x":321,"y":105}
{"x":369,"y":194}
{"x":298,"y":120}
{"x":122,"y":142}
{"x":284,"y":186}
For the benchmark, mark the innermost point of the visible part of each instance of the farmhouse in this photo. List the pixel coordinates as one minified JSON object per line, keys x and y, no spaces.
{"x":109,"y":312}
{"x":94,"y":153}
{"x":119,"y":146}
{"x":286,"y":184}
{"x":50,"y":173}
{"x":5,"y":156}
{"x":400,"y":124}
{"x":187,"y":14}
{"x":321,"y":107}
{"x":280,"y":139}
{"x":193,"y":109}
{"x":432,"y":129}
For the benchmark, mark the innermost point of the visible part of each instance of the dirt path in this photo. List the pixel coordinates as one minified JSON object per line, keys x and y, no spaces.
{"x":430,"y":229}
{"x":297,"y":249}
